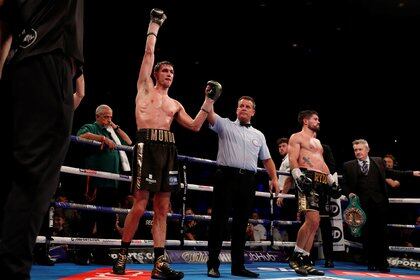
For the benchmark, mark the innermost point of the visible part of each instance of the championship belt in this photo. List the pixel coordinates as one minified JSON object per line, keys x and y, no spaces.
{"x":354,"y":216}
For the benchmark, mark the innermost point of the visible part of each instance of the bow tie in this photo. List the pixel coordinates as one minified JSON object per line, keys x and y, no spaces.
{"x":245,"y":124}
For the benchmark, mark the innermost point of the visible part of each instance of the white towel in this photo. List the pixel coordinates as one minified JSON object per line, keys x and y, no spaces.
{"x":123,"y":156}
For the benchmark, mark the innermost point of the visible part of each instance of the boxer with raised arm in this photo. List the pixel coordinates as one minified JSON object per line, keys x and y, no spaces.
{"x":155,"y":156}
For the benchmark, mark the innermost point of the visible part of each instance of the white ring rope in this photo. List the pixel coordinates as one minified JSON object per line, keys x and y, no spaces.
{"x":404,"y":200}
{"x":127,"y":178}
{"x":191,"y":243}
{"x":194,"y":187}
{"x":81,"y":140}
{"x":404,"y":226}
{"x":391,"y":248}
{"x":95,"y":173}
{"x":120,"y":177}
{"x":149,"y":243}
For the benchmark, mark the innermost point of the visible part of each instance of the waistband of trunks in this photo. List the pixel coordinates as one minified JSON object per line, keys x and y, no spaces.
{"x":317,"y":177}
{"x":155,"y":135}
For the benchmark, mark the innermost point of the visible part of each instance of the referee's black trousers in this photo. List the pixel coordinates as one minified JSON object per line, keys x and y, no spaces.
{"x":39,"y":92}
{"x":234,"y":193}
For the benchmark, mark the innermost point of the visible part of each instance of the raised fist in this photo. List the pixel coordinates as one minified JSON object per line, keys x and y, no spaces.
{"x":304,"y":184}
{"x":213,"y":90}
{"x":157,"y":16}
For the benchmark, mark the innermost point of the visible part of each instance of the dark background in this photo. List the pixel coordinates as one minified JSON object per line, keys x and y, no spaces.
{"x":355,"y":62}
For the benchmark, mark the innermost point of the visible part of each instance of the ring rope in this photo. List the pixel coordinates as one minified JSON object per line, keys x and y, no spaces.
{"x":192,"y":243}
{"x":183,"y":217}
{"x":104,"y":209}
{"x":391,"y":248}
{"x":127,"y":178}
{"x":95,"y":173}
{"x":126,"y":148}
{"x":81,"y":140}
{"x":404,"y":200}
{"x":149,"y":243}
{"x":116,"y":210}
{"x":404,"y":226}
{"x":286,"y":223}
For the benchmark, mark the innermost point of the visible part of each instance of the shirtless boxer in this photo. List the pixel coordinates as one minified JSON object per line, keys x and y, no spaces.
{"x":155,"y":156}
{"x":312,"y":178}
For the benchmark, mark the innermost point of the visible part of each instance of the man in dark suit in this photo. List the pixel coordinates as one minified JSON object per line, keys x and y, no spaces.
{"x":365,"y":176}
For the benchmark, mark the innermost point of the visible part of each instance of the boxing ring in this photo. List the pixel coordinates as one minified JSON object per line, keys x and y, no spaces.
{"x":190,"y":256}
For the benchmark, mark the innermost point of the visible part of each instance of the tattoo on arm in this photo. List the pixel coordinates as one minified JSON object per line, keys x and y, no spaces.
{"x":308,"y":161}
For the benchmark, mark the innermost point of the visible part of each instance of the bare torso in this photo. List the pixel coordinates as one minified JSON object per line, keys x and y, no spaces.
{"x":155,"y":110}
{"x":310,"y":153}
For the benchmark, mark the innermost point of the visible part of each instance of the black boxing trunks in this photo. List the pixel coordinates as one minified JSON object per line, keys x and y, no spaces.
{"x":155,"y":166}
{"x":316,"y":199}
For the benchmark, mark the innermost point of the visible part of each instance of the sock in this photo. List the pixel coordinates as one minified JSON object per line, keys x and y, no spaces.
{"x":299,"y":250}
{"x":305,"y":253}
{"x":159,"y":251}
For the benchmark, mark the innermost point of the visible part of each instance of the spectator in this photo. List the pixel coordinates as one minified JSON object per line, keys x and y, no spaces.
{"x":259,"y":233}
{"x":393,"y":185}
{"x":191,"y":226}
{"x":414,"y":240}
{"x":60,"y":226}
{"x":100,"y":191}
